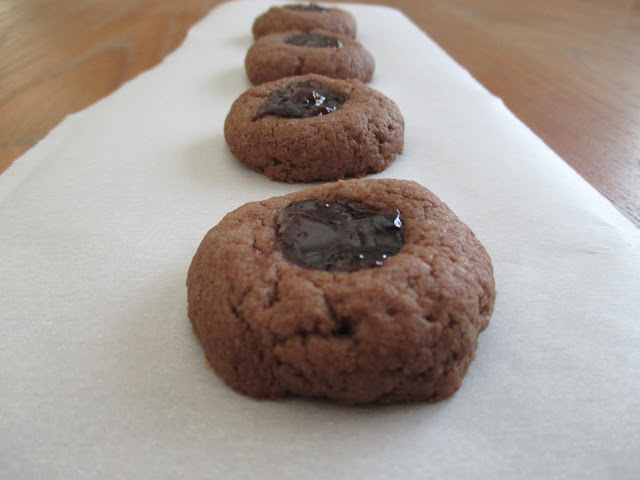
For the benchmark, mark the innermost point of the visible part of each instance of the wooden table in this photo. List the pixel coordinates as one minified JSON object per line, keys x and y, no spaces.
{"x":569,"y":69}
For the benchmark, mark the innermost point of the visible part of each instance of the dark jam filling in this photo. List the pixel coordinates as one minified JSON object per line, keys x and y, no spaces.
{"x":337,"y":236}
{"x":301,"y":100}
{"x":307,"y":39}
{"x":307,"y":7}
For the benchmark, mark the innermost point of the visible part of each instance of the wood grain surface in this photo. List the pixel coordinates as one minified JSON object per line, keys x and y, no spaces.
{"x":569,"y":69}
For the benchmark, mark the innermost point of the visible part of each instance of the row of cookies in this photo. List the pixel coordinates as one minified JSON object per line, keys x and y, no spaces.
{"x":327,"y":38}
{"x":315,"y":67}
{"x":358,"y":291}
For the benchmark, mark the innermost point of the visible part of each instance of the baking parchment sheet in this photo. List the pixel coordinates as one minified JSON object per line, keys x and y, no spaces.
{"x":101,"y":376}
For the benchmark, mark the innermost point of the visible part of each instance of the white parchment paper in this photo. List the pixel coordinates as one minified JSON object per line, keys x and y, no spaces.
{"x":101,"y":376}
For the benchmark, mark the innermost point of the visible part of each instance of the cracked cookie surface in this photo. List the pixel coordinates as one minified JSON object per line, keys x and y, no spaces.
{"x":403,"y":331}
{"x":271,"y":58}
{"x":363,"y":136}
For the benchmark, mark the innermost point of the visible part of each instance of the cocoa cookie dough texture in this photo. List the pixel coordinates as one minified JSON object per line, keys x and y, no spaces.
{"x":405,"y":328}
{"x":304,"y":17}
{"x":404,"y":331}
{"x":271,"y":58}
{"x":362,"y":137}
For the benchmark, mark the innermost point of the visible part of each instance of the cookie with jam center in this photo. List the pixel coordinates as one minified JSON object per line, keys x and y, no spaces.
{"x":311,"y":127}
{"x":299,"y":16}
{"x":299,"y":52}
{"x":359,"y":291}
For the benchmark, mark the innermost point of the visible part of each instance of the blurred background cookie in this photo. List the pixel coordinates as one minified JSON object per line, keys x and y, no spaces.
{"x":312,"y":127}
{"x":297,"y":52}
{"x":304,"y":17}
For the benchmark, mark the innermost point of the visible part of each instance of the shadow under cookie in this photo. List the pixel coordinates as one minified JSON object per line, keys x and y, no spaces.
{"x":311,"y":127}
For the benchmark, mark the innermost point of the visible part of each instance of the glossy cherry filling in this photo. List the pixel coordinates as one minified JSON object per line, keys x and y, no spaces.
{"x":337,"y":236}
{"x":301,"y":100}
{"x":307,"y":39}
{"x":307,"y":7}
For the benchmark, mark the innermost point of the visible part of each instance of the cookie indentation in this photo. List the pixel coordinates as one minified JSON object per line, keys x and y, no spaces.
{"x":308,"y":7}
{"x":308,"y":39}
{"x":301,"y":100}
{"x":337,"y":236}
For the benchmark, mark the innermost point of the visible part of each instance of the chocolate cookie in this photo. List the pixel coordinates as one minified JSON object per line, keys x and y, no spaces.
{"x":296,"y":52}
{"x":311,"y":127}
{"x":358,"y":291}
{"x":304,"y":17}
